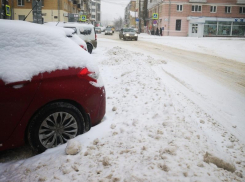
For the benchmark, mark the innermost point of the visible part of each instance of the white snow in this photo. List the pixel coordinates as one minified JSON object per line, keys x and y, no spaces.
{"x":28,"y":49}
{"x":160,"y":122}
{"x":229,"y":48}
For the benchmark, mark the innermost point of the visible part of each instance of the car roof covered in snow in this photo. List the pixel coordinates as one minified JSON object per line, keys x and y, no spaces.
{"x":28,"y":49}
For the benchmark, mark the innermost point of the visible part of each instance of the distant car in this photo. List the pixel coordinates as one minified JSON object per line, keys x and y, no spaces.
{"x":112,"y":27}
{"x":97,"y":30}
{"x":128,"y":34}
{"x":71,"y":34}
{"x":50,"y":88}
{"x":85,"y":32}
{"x":108,"y":31}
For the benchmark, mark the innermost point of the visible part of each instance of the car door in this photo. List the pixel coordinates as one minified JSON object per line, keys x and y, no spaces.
{"x":14,"y":101}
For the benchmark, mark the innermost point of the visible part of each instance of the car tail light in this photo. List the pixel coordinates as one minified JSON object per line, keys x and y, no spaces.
{"x":90,"y":76}
{"x":95,"y":36}
{"x":83,"y":47}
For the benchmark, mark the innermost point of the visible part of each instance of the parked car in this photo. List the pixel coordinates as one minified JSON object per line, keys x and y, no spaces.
{"x":70,"y":33}
{"x":50,"y":88}
{"x":128,"y":33}
{"x":98,"y":30}
{"x":85,"y":32}
{"x":108,"y":31}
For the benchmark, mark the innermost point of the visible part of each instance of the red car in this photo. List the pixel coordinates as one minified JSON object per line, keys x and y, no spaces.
{"x":50,"y":108}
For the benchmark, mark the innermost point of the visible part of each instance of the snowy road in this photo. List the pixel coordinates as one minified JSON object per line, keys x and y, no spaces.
{"x":171,"y":116}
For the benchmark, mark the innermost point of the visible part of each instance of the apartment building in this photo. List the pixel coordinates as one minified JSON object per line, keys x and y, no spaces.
{"x":52,"y":10}
{"x":131,"y":14}
{"x":198,"y":18}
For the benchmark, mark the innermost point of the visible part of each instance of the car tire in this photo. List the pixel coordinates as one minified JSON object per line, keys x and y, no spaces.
{"x":46,"y":131}
{"x":90,"y":48}
{"x":124,"y":38}
{"x":136,"y":39}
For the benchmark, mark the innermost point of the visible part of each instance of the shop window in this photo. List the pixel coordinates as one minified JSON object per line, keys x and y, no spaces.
{"x":242,"y":10}
{"x":213,"y":9}
{"x":238,"y":29}
{"x":196,"y":8}
{"x":21,"y":2}
{"x":210,"y":28}
{"x":178,"y":25}
{"x":228,"y":9}
{"x":179,"y":7}
{"x":224,"y":28}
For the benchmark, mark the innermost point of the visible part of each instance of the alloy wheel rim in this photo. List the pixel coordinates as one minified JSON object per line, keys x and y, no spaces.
{"x":57,"y":129}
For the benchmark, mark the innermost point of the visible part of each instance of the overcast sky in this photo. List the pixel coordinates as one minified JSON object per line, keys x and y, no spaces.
{"x":112,"y":9}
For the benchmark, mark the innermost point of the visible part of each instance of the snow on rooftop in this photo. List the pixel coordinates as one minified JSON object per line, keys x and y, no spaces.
{"x":28,"y":49}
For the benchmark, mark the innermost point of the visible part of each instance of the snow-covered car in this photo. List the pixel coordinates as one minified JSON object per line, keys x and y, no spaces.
{"x":85,"y":32}
{"x":71,"y":34}
{"x":108,"y":31}
{"x":128,"y":33}
{"x":50,"y":88}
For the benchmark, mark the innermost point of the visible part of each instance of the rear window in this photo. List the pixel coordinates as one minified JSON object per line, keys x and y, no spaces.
{"x":85,"y":30}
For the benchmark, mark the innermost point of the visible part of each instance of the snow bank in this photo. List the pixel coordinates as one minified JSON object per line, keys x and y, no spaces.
{"x":29,"y":49}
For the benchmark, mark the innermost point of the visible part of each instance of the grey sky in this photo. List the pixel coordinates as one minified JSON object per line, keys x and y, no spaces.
{"x":112,"y":9}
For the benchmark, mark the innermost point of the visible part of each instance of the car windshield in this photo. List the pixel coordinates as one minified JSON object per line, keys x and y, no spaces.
{"x":108,"y":29}
{"x":128,"y":30}
{"x":97,"y":28}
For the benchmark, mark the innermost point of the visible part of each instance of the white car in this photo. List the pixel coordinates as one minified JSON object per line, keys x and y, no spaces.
{"x":85,"y":32}
{"x":71,"y":34}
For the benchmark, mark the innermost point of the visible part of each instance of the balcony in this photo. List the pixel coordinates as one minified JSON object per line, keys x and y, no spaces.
{"x":197,"y":1}
{"x":240,"y":1}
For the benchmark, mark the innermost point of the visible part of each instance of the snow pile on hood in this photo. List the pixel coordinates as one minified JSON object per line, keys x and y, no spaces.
{"x":28,"y":49}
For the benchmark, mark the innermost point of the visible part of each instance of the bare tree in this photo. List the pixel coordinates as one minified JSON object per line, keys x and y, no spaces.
{"x":118,"y":23}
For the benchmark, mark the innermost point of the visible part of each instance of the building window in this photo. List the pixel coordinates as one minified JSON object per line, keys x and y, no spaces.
{"x":21,"y":17}
{"x":242,"y":10}
{"x":21,"y":2}
{"x":42,"y":3}
{"x":93,"y":16}
{"x":228,"y":9}
{"x":93,"y":3}
{"x":178,"y":25}
{"x":93,"y":10}
{"x":179,"y":7}
{"x":196,"y":8}
{"x":213,"y":9}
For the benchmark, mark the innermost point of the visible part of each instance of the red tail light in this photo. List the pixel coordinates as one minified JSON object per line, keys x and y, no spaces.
{"x":95,"y":36}
{"x":83,"y":47}
{"x":90,"y":76}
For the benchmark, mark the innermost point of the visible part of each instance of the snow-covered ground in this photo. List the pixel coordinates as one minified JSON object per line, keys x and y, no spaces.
{"x":159,"y":126}
{"x":229,"y":48}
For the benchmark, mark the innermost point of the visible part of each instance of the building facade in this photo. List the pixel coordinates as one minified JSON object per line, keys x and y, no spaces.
{"x":198,"y":18}
{"x":57,"y":10}
{"x":131,"y":15}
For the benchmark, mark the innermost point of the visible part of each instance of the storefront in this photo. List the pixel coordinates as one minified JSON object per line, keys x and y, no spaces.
{"x":212,"y":27}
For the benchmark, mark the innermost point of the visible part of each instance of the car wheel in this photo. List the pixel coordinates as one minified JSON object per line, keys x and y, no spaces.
{"x":90,"y":48}
{"x":53,"y":125}
{"x":124,"y":38}
{"x":136,"y":39}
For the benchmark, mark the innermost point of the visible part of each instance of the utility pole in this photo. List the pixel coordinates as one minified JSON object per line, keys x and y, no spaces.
{"x":145,"y":11}
{"x":139,"y":16}
{"x":4,"y":3}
